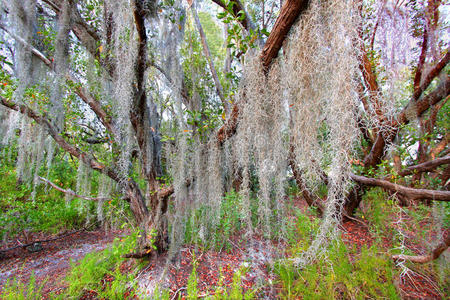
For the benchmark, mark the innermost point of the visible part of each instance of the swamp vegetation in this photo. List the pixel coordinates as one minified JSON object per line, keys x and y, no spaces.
{"x":232,"y":149}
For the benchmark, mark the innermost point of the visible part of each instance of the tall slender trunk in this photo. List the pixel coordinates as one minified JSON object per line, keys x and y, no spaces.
{"x":209,"y":58}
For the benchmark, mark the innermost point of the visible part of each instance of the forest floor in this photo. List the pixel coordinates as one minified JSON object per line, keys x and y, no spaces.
{"x":249,"y":258}
{"x":51,"y":264}
{"x":413,"y":285}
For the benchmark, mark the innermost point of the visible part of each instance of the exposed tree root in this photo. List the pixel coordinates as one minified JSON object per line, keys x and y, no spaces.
{"x":421,"y":259}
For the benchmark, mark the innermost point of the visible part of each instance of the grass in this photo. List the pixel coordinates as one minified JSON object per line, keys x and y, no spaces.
{"x":378,"y":209}
{"x":367,"y":275}
{"x":17,"y":290}
{"x":230,"y":222}
{"x":100,"y":273}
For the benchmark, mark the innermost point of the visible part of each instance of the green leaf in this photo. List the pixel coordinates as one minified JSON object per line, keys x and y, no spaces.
{"x":265,"y":32}
{"x":221,"y":15}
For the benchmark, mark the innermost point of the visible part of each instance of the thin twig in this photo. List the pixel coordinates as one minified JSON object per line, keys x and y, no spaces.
{"x":176,"y":293}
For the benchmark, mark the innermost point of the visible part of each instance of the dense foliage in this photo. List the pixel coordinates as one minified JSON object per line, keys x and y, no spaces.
{"x":199,"y":123}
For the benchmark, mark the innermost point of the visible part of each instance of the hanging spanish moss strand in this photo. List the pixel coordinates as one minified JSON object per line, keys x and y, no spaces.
{"x":280,"y":147}
{"x":57,"y":111}
{"x":180,"y":173}
{"x":51,"y":146}
{"x":23,"y":20}
{"x":215,"y":185}
{"x":125,"y":55}
{"x":10,"y":124}
{"x":83,"y":187}
{"x":31,"y":152}
{"x":28,"y":70}
{"x":257,"y":97}
{"x":104,"y":191}
{"x":260,"y":144}
{"x":181,"y":163}
{"x":113,"y":219}
{"x":4,"y":128}
{"x":24,"y":151}
{"x":326,"y":31}
{"x":228,"y":165}
{"x":38,"y":159}
{"x":181,"y":197}
{"x":23,"y":23}
{"x":242,"y":149}
{"x":200,"y":192}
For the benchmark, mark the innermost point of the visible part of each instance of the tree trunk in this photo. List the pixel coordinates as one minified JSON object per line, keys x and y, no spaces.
{"x":152,"y":224}
{"x":288,"y":15}
{"x":353,"y":200}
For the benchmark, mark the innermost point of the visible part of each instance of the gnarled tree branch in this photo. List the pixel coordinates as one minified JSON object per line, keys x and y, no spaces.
{"x":415,"y":109}
{"x":426,"y":166}
{"x":411,"y":193}
{"x":79,"y":90}
{"x":433,"y":73}
{"x":74,"y":151}
{"x":289,"y":13}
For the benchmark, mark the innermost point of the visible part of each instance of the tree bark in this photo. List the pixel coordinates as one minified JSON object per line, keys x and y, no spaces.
{"x":426,"y":166}
{"x":150,"y":220}
{"x":421,"y":259}
{"x":411,"y":193}
{"x":414,"y":108}
{"x":289,"y":13}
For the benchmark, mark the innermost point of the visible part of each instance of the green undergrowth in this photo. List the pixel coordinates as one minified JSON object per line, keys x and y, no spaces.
{"x":229,"y":223}
{"x":17,"y":290}
{"x":221,"y":292}
{"x":99,"y":273}
{"x":48,"y":213}
{"x":378,"y":209}
{"x":344,"y":273}
{"x":340,"y":275}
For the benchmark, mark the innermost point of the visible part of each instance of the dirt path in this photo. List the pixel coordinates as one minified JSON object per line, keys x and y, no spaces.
{"x":53,"y":261}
